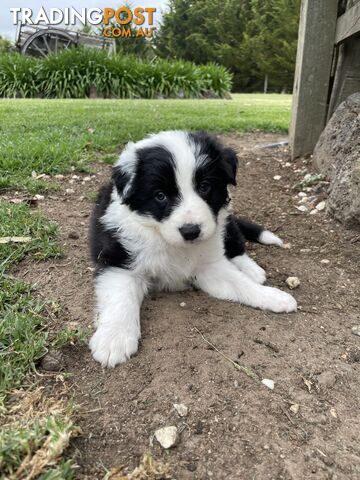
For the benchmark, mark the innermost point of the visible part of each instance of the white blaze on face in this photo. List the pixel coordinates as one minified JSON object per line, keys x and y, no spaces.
{"x":192,"y":209}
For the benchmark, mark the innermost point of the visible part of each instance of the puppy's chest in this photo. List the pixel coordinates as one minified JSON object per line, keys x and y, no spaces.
{"x":167,"y":265}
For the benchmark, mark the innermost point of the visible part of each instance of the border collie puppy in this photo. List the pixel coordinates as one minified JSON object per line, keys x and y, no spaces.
{"x":163,"y":223}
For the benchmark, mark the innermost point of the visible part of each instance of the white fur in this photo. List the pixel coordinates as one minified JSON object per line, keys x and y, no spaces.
{"x":269,"y":238}
{"x":162,"y":259}
{"x":250,"y":268}
{"x":223,"y":280}
{"x":166,"y":267}
{"x":119,"y":295}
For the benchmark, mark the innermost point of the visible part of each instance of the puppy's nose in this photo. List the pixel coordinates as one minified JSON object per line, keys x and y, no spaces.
{"x":190,"y":231}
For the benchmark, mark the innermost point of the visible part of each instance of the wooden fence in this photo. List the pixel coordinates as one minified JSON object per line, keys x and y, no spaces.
{"x":327,"y":67}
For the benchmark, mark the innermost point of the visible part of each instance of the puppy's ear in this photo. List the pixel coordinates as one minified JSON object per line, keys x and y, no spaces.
{"x":230,"y":163}
{"x":121,"y":180}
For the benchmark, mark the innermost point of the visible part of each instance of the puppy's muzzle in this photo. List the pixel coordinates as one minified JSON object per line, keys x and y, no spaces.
{"x":190,"y":231}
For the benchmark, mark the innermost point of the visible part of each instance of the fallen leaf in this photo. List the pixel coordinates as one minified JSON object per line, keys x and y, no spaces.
{"x":15,"y":239}
{"x":307,"y":383}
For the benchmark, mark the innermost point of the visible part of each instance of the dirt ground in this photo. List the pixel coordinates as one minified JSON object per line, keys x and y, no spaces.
{"x":308,"y":427}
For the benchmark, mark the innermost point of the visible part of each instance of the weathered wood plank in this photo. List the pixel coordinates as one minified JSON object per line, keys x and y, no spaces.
{"x":348,"y":24}
{"x":313,"y":65}
{"x":347,"y":77}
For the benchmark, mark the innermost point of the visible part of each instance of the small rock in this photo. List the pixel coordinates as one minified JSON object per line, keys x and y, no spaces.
{"x":333,"y":413}
{"x":313,"y":212}
{"x":292,"y":282}
{"x":325,"y":261}
{"x":73,"y":235}
{"x":181,"y":409}
{"x":69,"y":191}
{"x":59,"y":176}
{"x":356,"y":330}
{"x":302,"y":194}
{"x":287,"y":246}
{"x":302,"y":208}
{"x":168,"y":437}
{"x":321,"y":206}
{"x":39,"y":197}
{"x":295,"y":408}
{"x":268,"y":383}
{"x":182,"y":304}
{"x":191,"y":467}
{"x":277,"y":177}
{"x":52,"y":361}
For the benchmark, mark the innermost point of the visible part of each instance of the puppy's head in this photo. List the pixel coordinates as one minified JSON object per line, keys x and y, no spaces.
{"x":176,"y":182}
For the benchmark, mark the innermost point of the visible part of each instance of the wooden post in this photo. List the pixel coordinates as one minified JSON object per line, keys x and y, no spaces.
{"x":266,"y":83}
{"x":347,"y":76}
{"x":313,"y":65}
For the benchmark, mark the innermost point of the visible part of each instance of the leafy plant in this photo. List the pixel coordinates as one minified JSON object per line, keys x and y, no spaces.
{"x":77,"y":72}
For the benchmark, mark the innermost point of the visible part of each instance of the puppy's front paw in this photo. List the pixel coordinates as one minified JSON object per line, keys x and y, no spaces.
{"x":277,"y":301}
{"x":110,"y":348}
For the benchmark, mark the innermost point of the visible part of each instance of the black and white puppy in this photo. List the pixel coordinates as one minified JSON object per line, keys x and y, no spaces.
{"x":164,"y":223}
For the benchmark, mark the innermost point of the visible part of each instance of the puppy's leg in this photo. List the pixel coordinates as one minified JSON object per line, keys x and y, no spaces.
{"x":119,"y":295}
{"x":252,"y":231}
{"x":268,"y":238}
{"x":247,"y":265}
{"x":223,"y":280}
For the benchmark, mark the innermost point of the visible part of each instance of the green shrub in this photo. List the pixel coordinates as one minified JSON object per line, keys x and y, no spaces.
{"x":18,"y":76}
{"x":73,"y":73}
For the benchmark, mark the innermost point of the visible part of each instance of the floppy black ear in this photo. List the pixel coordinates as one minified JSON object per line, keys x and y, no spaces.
{"x":230,"y":163}
{"x":121,"y":180}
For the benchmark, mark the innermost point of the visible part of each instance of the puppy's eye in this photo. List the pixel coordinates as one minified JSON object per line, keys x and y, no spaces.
{"x":160,"y":197}
{"x":204,"y":188}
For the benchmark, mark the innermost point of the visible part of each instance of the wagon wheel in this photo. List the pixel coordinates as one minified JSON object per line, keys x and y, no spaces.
{"x":40,"y":44}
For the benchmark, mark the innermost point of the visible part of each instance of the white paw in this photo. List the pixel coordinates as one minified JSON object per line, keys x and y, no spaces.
{"x":111,"y":348}
{"x":277,"y":301}
{"x":248,"y":266}
{"x":256,"y":273}
{"x":269,"y":238}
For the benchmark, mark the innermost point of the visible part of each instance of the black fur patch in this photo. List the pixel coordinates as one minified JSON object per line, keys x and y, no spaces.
{"x":155,"y":174}
{"x":237,"y":230}
{"x":106,"y":250}
{"x":218,"y":170}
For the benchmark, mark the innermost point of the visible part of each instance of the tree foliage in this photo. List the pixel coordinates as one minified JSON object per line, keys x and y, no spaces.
{"x":253,"y":38}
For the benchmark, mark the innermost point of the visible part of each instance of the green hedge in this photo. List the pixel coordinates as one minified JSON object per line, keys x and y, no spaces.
{"x":74,"y":73}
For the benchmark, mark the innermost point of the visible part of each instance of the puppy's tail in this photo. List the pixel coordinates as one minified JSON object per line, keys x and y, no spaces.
{"x":256,"y":233}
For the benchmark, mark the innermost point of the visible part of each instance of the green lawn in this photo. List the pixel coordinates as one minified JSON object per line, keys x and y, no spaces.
{"x":49,"y":136}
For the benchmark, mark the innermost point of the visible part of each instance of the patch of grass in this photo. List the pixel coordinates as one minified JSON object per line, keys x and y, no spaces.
{"x":33,"y":440}
{"x":91,"y":196}
{"x":17,"y":220}
{"x":51,"y":136}
{"x":36,"y":428}
{"x":68,"y":336}
{"x":22,"y":334}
